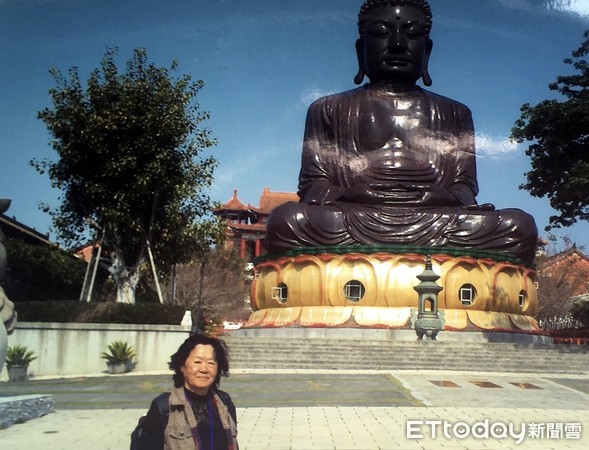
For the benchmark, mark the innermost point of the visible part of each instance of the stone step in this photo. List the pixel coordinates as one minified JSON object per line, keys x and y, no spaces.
{"x":291,"y":353}
{"x":371,"y":355}
{"x":345,"y":349}
{"x":350,"y":348}
{"x":515,"y":368}
{"x":417,"y":363}
{"x":425,"y":362}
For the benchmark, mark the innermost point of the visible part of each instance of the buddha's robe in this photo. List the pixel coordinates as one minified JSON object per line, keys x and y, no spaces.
{"x":415,"y":152}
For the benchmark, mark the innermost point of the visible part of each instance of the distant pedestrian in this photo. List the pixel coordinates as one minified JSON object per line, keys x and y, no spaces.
{"x":195,"y":414}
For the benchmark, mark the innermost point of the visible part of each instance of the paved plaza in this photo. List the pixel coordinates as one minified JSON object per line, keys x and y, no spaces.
{"x":330,"y":410}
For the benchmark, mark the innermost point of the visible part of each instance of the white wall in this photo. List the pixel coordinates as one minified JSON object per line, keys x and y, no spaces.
{"x":74,"y":349}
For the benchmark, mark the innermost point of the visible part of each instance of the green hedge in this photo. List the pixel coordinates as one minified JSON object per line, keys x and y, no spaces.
{"x":77,"y":312}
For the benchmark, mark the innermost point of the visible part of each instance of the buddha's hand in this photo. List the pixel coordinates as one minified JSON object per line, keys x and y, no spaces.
{"x":380,"y":193}
{"x":438,"y":196}
{"x":481,"y":207}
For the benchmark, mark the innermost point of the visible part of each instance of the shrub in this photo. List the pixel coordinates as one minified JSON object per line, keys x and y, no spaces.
{"x":19,"y":355}
{"x":120,"y":352}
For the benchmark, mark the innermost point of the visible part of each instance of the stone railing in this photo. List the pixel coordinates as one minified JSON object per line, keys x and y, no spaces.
{"x":560,"y":323}
{"x":64,"y":349}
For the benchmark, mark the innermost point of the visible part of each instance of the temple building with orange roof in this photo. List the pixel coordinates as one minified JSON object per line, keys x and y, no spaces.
{"x":246,"y":224}
{"x":569,"y":268}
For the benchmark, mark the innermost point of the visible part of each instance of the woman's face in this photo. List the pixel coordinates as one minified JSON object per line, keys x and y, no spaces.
{"x":200,"y":369}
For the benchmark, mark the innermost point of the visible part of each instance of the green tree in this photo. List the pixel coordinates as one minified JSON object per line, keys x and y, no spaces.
{"x":39,"y":272}
{"x":580,"y":311}
{"x":130,"y":164}
{"x":559,"y":152}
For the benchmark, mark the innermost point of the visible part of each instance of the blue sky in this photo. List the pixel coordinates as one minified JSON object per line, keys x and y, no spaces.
{"x":263,"y":62}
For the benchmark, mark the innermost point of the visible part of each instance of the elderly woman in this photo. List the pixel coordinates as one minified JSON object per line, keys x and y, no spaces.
{"x":195,"y":414}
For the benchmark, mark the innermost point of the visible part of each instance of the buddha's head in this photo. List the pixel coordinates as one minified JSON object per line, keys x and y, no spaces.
{"x":394,"y":45}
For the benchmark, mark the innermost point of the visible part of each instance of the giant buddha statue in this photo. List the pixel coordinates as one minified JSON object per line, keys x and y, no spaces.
{"x":390,"y":162}
{"x":389,"y":165}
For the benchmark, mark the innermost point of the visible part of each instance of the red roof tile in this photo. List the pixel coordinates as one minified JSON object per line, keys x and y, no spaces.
{"x":270,"y":200}
{"x":234,"y":204}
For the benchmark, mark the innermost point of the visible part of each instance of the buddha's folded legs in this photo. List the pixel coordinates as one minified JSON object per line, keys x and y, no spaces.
{"x":295,"y":225}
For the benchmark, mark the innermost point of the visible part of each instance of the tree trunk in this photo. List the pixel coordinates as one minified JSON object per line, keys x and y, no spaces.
{"x":126,"y":289}
{"x":125,"y":278}
{"x":200,"y":322}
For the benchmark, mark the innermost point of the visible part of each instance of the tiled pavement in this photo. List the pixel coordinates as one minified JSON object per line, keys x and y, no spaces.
{"x":544,"y":411}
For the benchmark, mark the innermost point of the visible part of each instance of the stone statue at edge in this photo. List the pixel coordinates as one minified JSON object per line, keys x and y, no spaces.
{"x":7,"y":312}
{"x":392,"y":163}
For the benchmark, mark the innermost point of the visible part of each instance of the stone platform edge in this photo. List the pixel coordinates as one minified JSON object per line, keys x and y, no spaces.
{"x":391,"y":335}
{"x":25,"y":407}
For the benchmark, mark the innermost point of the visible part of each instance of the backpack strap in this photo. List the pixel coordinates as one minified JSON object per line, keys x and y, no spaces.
{"x":163,"y":405}
{"x":139,"y":438}
{"x":226,"y":399}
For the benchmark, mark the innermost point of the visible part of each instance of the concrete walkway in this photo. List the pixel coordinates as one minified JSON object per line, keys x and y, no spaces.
{"x":453,"y":410}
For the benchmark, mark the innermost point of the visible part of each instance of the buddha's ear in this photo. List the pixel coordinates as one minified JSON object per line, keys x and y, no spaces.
{"x":360,"y":55}
{"x":427,"y":79}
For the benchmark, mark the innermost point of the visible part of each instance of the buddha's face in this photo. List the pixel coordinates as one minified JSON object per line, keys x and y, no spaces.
{"x":395,"y":48}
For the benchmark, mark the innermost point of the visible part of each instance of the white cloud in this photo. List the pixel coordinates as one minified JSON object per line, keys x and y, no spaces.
{"x":493,"y":147}
{"x":579,"y":7}
{"x":310,"y":95}
{"x":226,"y":174}
{"x":478,"y":27}
{"x":530,"y":6}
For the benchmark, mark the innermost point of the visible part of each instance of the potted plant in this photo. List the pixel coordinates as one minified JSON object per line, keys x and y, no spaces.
{"x":214,"y":327}
{"x":17,"y":362}
{"x":119,"y":357}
